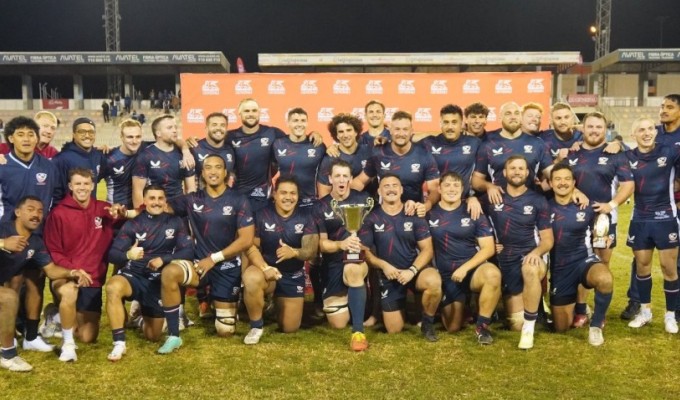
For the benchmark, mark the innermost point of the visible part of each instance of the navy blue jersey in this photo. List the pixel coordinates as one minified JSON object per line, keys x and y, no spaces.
{"x":394,"y":238}
{"x":555,"y":144}
{"x":667,"y":138}
{"x":162,"y":168}
{"x":331,"y":224}
{"x":214,"y":221}
{"x":654,"y":173}
{"x":571,"y":229}
{"x":496,"y":149}
{"x":365,"y":138}
{"x":458,"y":156}
{"x":300,"y":161}
{"x":357,"y":160}
{"x":163,"y":236}
{"x":414,"y":168}
{"x":72,"y":156}
{"x":270,"y":227}
{"x":39,"y":178}
{"x":254,"y":159}
{"x":517,"y":220}
{"x":205,"y":149}
{"x":34,"y":254}
{"x":454,"y":236}
{"x":118,"y":176}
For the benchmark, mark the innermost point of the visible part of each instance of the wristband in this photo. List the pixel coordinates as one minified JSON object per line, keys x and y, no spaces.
{"x":413,"y":269}
{"x":217,"y":257}
{"x":129,"y":214}
{"x":613,"y":205}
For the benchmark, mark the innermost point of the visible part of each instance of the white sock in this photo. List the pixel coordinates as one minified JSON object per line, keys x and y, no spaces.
{"x":67,"y":335}
{"x":528,"y":326}
{"x":670,"y":314}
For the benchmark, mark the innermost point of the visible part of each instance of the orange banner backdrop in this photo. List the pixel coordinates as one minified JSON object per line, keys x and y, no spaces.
{"x":327,"y":94}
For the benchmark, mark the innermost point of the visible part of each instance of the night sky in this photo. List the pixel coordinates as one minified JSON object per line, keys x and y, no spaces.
{"x":246,"y":28}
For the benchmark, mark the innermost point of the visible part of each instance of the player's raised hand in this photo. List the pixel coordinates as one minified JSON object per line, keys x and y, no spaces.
{"x":136,"y":252}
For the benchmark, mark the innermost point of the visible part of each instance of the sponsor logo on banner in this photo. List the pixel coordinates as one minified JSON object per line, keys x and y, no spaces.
{"x":195,"y":116}
{"x":504,"y":86}
{"x":492,"y":114}
{"x":341,"y":86}
{"x":471,"y":86}
{"x":374,"y":87}
{"x":535,"y":86}
{"x":210,"y":88}
{"x":423,"y":114}
{"x":243,"y":86}
{"x":309,"y":87}
{"x":231,"y":114}
{"x":359,"y":113}
{"x":389,"y":112}
{"x":325,"y":114}
{"x":264,"y":115}
{"x":276,"y":87}
{"x":406,"y":87}
{"x":439,"y":87}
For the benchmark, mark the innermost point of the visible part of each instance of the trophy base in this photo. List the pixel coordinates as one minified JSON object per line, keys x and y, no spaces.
{"x":353,"y":258}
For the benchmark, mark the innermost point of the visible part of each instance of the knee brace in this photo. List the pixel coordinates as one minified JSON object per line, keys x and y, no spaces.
{"x":225,"y":321}
{"x":335,"y":307}
{"x":188,"y":269}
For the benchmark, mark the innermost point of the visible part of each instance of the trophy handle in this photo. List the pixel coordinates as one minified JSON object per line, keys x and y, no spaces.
{"x":337,"y":211}
{"x":367,"y":209}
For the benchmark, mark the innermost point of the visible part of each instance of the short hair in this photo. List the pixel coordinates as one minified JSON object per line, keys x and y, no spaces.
{"x":532,"y":106}
{"x":216,"y":115}
{"x":296,"y":110}
{"x":84,"y":172}
{"x":157,"y":121}
{"x":344,"y":118}
{"x":152,"y":187}
{"x":26,"y":199}
{"x":595,"y":114}
{"x":508,"y":104}
{"x":455,"y":176}
{"x":390,"y":175}
{"x":246,"y":100}
{"x":476,"y":108}
{"x":224,"y":164}
{"x":674,"y":97}
{"x":18,"y":123}
{"x":42,"y":114}
{"x":402,"y":115}
{"x":636,"y":124}
{"x":286,"y":179}
{"x":559,"y":167}
{"x":560,"y":105}
{"x":451,"y":109}
{"x":372,"y":102}
{"x":129,"y":123}
{"x":513,"y":158}
{"x":339,"y":162}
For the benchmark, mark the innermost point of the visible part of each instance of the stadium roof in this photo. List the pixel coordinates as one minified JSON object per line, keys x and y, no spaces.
{"x":638,"y":60}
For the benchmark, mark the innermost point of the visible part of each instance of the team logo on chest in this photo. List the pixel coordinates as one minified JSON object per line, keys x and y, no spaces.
{"x":282,"y":152}
{"x":41,"y":177}
{"x":329,"y":215}
{"x":436,"y":150}
{"x":97,"y":222}
{"x":202,"y":157}
{"x":552,"y":217}
{"x":602,"y":160}
{"x":226,"y":210}
{"x":140,"y":236}
{"x":118,"y":171}
{"x":155,"y":164}
{"x":311,"y":153}
{"x":661,"y":161}
{"x":197,"y":208}
{"x":229,"y":158}
{"x":497,"y":152}
{"x":434,"y":224}
{"x":379,"y":228}
{"x":580,"y":216}
{"x":236,"y":144}
{"x":528,"y":149}
{"x":408,"y":226}
{"x":465,"y":222}
{"x":269,"y":228}
{"x":385,"y":166}
{"x":169,"y":233}
{"x":498,"y":207}
{"x":299,"y":228}
{"x":528,"y":210}
{"x":30,"y":253}
{"x":467,"y":150}
{"x":415,"y":168}
{"x":554,"y":152}
{"x":264,"y":142}
{"x":633,"y":164}
{"x":363,"y":163}
{"x":573,"y":162}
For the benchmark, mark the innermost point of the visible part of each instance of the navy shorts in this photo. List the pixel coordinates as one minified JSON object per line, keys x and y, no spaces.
{"x":456,"y":291}
{"x":512,"y":282}
{"x":224,"y":280}
{"x":332,"y":279}
{"x":393,"y":293}
{"x":89,"y":299}
{"x":291,"y":284}
{"x":564,"y":282}
{"x":147,"y":293}
{"x":648,"y":235}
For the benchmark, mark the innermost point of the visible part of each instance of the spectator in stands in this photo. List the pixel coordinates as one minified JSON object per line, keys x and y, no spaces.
{"x":105,"y":111}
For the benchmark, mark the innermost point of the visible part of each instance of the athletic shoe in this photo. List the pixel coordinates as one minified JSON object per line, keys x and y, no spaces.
{"x":580,"y":320}
{"x":358,"y":342}
{"x":483,"y":335}
{"x":171,"y":344}
{"x":428,"y":332}
{"x":631,"y":310}
{"x":15,"y":364}
{"x":38,"y":344}
{"x":526,"y":341}
{"x":253,"y":337}
{"x":135,"y":322}
{"x":595,"y":337}
{"x":68,"y":352}
{"x":49,"y":328}
{"x":118,"y":351}
{"x":205,"y":310}
{"x":184,"y":321}
{"x":640,"y":320}
{"x":670,"y":323}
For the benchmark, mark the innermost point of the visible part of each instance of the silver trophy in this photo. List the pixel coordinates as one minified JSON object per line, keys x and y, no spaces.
{"x":601,"y":231}
{"x":352,"y":216}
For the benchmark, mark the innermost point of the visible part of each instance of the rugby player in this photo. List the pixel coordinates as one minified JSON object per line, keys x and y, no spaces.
{"x":476,"y":115}
{"x":215,"y":142}
{"x":48,"y":124}
{"x":374,"y":113}
{"x":531,"y":118}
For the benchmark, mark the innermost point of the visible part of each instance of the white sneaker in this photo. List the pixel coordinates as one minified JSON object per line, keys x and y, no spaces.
{"x":119,"y":349}
{"x":595,"y":337}
{"x":68,"y":352}
{"x":670,"y":323}
{"x":49,"y":327}
{"x":641,"y":319}
{"x":526,"y":341}
{"x":15,"y":364}
{"x":37,"y":344}
{"x":253,"y":337}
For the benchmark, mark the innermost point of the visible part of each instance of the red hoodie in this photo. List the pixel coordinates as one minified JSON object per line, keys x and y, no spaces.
{"x":79,"y":238}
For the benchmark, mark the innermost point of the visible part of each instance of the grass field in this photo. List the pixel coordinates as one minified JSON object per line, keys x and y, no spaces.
{"x":317,"y":363}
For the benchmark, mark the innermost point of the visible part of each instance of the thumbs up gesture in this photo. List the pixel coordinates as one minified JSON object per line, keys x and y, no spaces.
{"x":136,"y":252}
